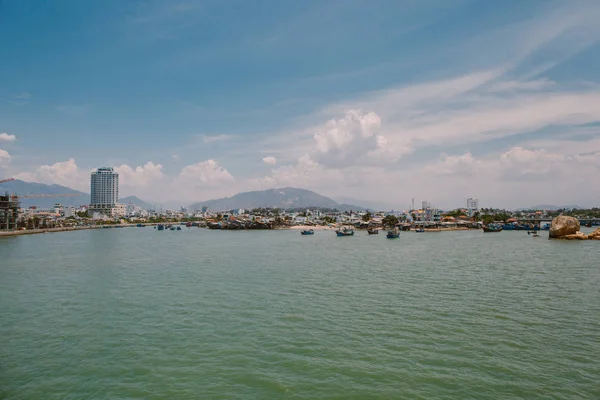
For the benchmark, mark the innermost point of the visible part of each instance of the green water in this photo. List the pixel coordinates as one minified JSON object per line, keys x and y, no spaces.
{"x":196,"y":314}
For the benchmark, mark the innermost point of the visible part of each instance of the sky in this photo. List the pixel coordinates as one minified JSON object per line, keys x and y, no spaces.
{"x":386,"y":101}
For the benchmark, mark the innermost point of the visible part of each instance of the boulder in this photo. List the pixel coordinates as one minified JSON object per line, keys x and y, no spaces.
{"x":594,"y":235}
{"x":563,"y":226}
{"x":576,"y":236}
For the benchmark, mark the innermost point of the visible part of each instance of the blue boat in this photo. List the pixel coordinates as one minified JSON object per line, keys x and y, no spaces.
{"x":160,"y":227}
{"x":307,"y":232}
{"x":141,"y":225}
{"x":179,"y":228}
{"x":345,"y":231}
{"x":393,"y":234}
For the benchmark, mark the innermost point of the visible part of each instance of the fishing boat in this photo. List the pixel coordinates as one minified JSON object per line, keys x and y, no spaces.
{"x":141,"y":225}
{"x":345,"y":231}
{"x":492,"y":228}
{"x":160,"y":227}
{"x":307,"y":232}
{"x":588,"y":224}
{"x":393,"y":234}
{"x":420,"y":229}
{"x":179,"y":228}
{"x":373,"y":231}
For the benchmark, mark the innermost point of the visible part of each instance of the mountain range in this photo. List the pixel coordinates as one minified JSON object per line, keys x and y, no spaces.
{"x":53,"y":193}
{"x":275,"y":198}
{"x":287,"y":197}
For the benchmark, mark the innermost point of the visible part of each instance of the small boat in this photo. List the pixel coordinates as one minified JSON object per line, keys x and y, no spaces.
{"x":141,"y":225}
{"x":307,"y":232}
{"x":345,"y":231}
{"x":536,"y":235}
{"x":492,"y":228}
{"x":172,"y":228}
{"x":420,"y":229}
{"x":160,"y":227}
{"x":393,"y":234}
{"x":179,"y":228}
{"x":588,"y":224}
{"x":373,"y":231}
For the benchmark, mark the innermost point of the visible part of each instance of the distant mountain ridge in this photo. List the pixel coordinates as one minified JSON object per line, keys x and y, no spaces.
{"x":551,"y":207}
{"x":287,"y":197}
{"x":23,"y":188}
{"x":136,"y":201}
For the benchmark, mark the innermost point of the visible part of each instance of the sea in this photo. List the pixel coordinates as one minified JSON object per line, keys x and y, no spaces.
{"x":137,"y":313}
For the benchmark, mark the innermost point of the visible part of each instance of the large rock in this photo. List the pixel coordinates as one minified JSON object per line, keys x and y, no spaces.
{"x":594,"y":235}
{"x":563,"y":226}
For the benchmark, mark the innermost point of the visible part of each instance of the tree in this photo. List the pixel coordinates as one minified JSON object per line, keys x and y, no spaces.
{"x":390,"y":220}
{"x":367,"y":217}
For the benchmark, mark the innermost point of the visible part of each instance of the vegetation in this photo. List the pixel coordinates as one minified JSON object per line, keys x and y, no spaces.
{"x":367,"y":217}
{"x":390,"y":221}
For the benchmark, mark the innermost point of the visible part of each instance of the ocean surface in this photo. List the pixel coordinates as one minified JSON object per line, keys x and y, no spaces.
{"x":196,"y":314}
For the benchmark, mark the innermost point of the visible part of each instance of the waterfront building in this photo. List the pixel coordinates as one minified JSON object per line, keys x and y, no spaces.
{"x":104,"y":185}
{"x":472,"y":206}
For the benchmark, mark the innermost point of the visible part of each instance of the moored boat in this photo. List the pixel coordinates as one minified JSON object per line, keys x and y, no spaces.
{"x":373,"y":231}
{"x":393,"y":234}
{"x":492,"y":228}
{"x":160,"y":227}
{"x":307,"y":232}
{"x":345,"y":231}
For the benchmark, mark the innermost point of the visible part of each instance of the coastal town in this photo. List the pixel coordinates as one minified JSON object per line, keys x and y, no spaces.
{"x":104,"y":211}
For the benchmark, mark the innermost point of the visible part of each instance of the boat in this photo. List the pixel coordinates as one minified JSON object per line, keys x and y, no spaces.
{"x":492,"y":228}
{"x":179,"y":228}
{"x":345,"y":231}
{"x":588,"y":224}
{"x":141,"y":225}
{"x":172,"y":228}
{"x":373,"y":231}
{"x":536,"y":235}
{"x":307,"y":232}
{"x":393,"y":234}
{"x":420,"y":229}
{"x":160,"y":227}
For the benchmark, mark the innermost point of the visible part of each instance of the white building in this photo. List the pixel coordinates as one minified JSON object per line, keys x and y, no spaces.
{"x":105,"y":192}
{"x":472,"y":205}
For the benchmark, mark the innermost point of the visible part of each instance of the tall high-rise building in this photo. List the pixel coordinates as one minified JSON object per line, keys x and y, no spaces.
{"x":104,"y":191}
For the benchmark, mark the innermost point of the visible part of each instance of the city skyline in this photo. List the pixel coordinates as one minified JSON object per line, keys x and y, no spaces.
{"x":189,"y":101}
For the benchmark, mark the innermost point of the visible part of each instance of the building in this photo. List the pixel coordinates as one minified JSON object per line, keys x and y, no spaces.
{"x":9,"y":212}
{"x":472,"y":206}
{"x":104,"y":193}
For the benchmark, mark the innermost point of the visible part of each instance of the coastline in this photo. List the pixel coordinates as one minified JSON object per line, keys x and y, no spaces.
{"x":46,"y":230}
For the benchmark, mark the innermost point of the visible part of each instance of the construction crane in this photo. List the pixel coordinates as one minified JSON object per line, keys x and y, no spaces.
{"x":33,"y":196}
{"x":6,"y":180}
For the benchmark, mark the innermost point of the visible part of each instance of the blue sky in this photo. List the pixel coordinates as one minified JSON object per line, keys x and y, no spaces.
{"x":389,"y":100}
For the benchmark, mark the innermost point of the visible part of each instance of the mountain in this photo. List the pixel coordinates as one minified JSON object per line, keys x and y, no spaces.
{"x":550,"y":207}
{"x":274,"y":198}
{"x":369,"y":204}
{"x":53,"y":192}
{"x":144,"y":205}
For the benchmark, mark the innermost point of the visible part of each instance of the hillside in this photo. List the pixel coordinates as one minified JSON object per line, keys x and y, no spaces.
{"x":136,"y":201}
{"x":22,"y":188}
{"x":274,"y":198}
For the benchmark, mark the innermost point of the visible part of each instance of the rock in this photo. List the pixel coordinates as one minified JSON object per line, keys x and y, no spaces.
{"x":563,"y":226}
{"x":575,"y":236}
{"x":594,"y":235}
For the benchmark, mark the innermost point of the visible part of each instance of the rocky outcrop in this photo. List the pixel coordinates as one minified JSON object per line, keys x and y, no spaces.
{"x":563,"y":226}
{"x":575,"y":236}
{"x":594,"y":235}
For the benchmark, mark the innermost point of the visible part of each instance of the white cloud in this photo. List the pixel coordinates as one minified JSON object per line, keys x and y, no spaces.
{"x":216,"y":138}
{"x":65,"y":173}
{"x":4,"y":158}
{"x":176,"y":157}
{"x":5,"y":137}
{"x":140,"y":176}
{"x":463,"y":164}
{"x":348,"y":140}
{"x":270,"y":160}
{"x":205,"y":173}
